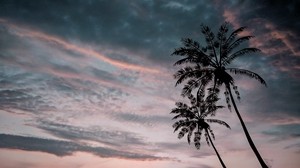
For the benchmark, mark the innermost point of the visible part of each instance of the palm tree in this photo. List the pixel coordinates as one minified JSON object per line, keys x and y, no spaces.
{"x":209,"y":65}
{"x":193,"y":119}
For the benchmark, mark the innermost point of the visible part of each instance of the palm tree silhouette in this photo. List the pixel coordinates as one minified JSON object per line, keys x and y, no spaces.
{"x":211,"y":66}
{"x":192,"y":119}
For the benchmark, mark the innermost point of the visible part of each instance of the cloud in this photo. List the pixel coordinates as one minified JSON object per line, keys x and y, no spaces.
{"x":284,"y":132}
{"x":113,"y":138}
{"x":64,"y":148}
{"x":146,"y":120}
{"x":273,"y":36}
{"x":23,"y":32}
{"x":72,"y":68}
{"x":144,"y":28}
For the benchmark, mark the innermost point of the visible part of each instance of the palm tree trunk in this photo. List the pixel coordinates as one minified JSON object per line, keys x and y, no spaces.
{"x":251,"y":143}
{"x":212,"y":144}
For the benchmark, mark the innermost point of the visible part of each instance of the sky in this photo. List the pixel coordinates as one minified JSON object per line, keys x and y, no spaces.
{"x":89,"y":83}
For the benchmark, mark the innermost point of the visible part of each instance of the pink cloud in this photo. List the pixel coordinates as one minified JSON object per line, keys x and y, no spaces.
{"x":271,"y":33}
{"x":22,"y":31}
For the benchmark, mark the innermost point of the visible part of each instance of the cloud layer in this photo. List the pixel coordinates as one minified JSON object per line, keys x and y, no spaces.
{"x":96,"y":77}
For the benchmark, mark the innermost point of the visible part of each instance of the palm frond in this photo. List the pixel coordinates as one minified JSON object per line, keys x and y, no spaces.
{"x":209,"y":37}
{"x":189,"y":86}
{"x":181,"y":123}
{"x":191,"y":130}
{"x":194,"y":52}
{"x":247,"y":73}
{"x":238,"y":42}
{"x":189,"y":72}
{"x":222,"y":38}
{"x":206,"y":137}
{"x":218,"y":122}
{"x":189,"y":59}
{"x":181,"y":105}
{"x":184,"y":51}
{"x":233,"y":35}
{"x":226,"y":93}
{"x":183,"y":131}
{"x":188,"y":42}
{"x":192,"y":99}
{"x":241,"y":52}
{"x":183,"y":72}
{"x":211,"y":110}
{"x":177,"y":111}
{"x":211,"y":133}
{"x":197,"y":138}
{"x":184,"y":113}
{"x":222,"y":32}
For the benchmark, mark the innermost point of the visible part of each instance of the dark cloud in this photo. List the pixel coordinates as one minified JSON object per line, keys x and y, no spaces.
{"x":145,"y":27}
{"x":114,"y":138}
{"x":64,"y":148}
{"x":16,"y":93}
{"x":39,"y":78}
{"x":279,"y":99}
{"x":20,"y":99}
{"x":283,"y":13}
{"x":147,"y":120}
{"x":276,"y":27}
{"x":284,"y":132}
{"x":38,"y":93}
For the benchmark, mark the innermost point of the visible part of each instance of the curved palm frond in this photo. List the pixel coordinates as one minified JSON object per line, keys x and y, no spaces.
{"x":218,"y":122}
{"x":233,"y":35}
{"x":192,"y":99}
{"x":183,"y":113}
{"x":194,"y":83}
{"x":193,"y":51}
{"x":190,"y":133}
{"x":241,"y":52}
{"x":181,"y":105}
{"x":222,"y":39}
{"x":247,"y":73}
{"x":238,"y":42}
{"x":207,"y":138}
{"x":189,"y":59}
{"x":181,"y":123}
{"x":183,"y":131}
{"x":222,"y":32}
{"x":190,"y":72}
{"x":197,"y":139}
{"x":189,"y":86}
{"x":211,"y":110}
{"x":209,"y":37}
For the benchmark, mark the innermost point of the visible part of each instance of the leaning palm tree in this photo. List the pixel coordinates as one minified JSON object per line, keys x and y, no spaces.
{"x":192,"y":119}
{"x":210,"y":65}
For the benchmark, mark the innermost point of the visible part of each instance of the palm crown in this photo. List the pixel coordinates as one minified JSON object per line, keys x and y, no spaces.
{"x":211,"y":61}
{"x":192,"y":119}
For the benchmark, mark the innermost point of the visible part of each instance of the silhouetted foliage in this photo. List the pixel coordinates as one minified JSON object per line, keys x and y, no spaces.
{"x":192,"y":119}
{"x":208,"y":64}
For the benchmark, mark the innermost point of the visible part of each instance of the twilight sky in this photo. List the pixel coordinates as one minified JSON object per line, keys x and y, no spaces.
{"x":88,"y":84}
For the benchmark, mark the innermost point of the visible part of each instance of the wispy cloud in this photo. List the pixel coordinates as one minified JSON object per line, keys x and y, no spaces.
{"x":24,"y":32}
{"x":64,"y":148}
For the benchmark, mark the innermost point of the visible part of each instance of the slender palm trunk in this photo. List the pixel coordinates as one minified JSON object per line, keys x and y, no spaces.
{"x":212,"y":144}
{"x":251,"y":143}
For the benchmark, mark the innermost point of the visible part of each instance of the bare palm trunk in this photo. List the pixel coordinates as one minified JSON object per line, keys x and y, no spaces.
{"x":251,"y":143}
{"x":212,"y":144}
